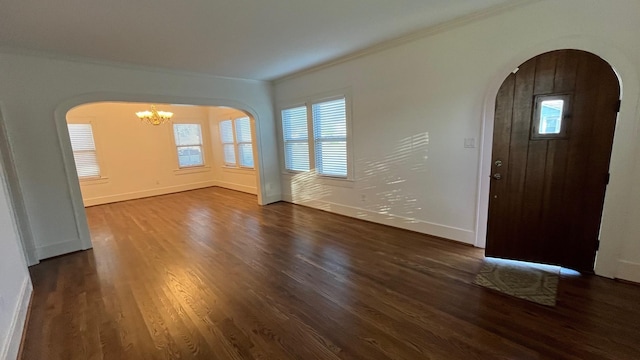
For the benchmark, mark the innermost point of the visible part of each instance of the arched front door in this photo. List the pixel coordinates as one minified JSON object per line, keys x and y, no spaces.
{"x":554,"y":123}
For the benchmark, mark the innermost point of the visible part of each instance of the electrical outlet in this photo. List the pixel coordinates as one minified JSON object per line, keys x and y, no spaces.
{"x":363,"y":198}
{"x":469,"y":143}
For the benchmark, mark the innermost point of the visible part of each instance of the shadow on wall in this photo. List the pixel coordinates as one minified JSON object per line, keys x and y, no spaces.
{"x":381,"y":185}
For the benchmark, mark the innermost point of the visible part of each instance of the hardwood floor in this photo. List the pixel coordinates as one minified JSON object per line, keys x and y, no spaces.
{"x":208,"y":274}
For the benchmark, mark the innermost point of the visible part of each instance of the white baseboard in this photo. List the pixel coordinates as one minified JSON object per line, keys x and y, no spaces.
{"x":237,"y":187}
{"x":443,"y":231}
{"x":59,"y":248}
{"x":10,"y":350}
{"x":147,"y":193}
{"x":629,"y":271}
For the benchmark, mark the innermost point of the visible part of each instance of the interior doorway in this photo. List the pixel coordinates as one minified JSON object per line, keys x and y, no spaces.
{"x":553,"y":133}
{"x":125,"y":151}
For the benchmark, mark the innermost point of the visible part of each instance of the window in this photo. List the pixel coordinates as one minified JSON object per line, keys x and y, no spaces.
{"x":228,"y":143}
{"x":84,"y":150}
{"x":189,"y":144}
{"x":327,"y":135}
{"x":330,"y":137}
{"x":245,"y":146}
{"x":237,"y":142}
{"x":550,"y":116}
{"x":296,"y":138}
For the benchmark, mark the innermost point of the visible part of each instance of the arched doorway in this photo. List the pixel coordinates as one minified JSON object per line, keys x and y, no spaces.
{"x":552,"y":138}
{"x":118,"y":157}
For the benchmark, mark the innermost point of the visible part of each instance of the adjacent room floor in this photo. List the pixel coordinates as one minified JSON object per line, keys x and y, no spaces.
{"x":209,"y":274}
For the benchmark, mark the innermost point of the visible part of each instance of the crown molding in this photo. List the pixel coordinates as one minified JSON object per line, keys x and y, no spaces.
{"x":379,"y":47}
{"x":413,"y":36}
{"x":9,"y":50}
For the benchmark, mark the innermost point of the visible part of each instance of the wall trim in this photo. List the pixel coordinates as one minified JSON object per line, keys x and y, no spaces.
{"x":629,"y":271}
{"x":60,"y":248}
{"x":242,"y":188}
{"x":11,"y":348}
{"x":271,"y":199}
{"x":148,"y":193}
{"x":13,"y":188}
{"x":424,"y":227}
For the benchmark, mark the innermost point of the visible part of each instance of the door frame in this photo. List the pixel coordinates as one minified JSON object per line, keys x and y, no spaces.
{"x":617,"y":200}
{"x":16,"y":201}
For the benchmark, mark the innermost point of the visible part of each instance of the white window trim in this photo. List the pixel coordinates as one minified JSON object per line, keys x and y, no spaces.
{"x":192,"y":168}
{"x":308,"y":102}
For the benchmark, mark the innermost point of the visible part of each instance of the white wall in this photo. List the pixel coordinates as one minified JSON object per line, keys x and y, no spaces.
{"x":240,"y":179}
{"x":35,"y":95}
{"x":414,"y":104}
{"x":15,"y":284}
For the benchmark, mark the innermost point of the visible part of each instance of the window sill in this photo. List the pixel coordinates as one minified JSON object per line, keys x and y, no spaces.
{"x":240,"y":170}
{"x":94,"y":181}
{"x":325,"y":180}
{"x":192,"y":170}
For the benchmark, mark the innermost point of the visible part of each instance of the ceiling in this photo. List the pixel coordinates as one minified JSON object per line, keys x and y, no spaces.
{"x":252,"y":39}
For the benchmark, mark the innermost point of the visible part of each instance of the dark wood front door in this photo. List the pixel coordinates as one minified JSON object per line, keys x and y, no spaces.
{"x":554,"y":124}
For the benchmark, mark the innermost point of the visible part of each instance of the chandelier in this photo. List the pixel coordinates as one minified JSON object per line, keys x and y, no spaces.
{"x":154,"y":117}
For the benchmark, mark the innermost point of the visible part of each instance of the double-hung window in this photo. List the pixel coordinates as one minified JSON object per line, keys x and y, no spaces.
{"x":322,"y":146}
{"x":237,"y":142}
{"x":296,"y":138}
{"x":228,"y":142}
{"x":245,"y":144}
{"x":330,"y":137}
{"x":188,"y":144}
{"x":84,"y":150}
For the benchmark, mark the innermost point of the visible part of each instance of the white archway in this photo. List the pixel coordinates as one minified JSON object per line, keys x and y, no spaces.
{"x":67,"y":153}
{"x":622,"y":157}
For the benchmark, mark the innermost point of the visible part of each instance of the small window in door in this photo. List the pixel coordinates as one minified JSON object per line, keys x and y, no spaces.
{"x":550,"y":116}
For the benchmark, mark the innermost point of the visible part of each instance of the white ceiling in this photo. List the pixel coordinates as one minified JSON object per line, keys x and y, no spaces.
{"x":253,"y":39}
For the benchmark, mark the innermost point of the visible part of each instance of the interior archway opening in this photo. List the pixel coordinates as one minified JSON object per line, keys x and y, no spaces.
{"x":120,"y":156}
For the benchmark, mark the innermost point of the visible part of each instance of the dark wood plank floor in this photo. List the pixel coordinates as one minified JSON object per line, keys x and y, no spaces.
{"x":209,"y":274}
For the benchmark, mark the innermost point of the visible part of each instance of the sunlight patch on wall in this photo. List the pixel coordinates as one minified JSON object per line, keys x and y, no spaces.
{"x":305,"y":187}
{"x":392,"y":198}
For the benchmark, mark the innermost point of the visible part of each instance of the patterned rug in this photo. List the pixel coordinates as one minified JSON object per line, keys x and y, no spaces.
{"x":533,"y":282}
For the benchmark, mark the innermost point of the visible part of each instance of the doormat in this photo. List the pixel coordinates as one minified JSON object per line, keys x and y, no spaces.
{"x":533,"y":282}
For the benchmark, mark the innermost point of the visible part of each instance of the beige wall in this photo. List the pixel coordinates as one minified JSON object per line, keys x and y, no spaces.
{"x":139,"y":160}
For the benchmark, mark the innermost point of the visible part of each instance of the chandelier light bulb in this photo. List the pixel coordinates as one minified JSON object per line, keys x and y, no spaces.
{"x":154,"y":117}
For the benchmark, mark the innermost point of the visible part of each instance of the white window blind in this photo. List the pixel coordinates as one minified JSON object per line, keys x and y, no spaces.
{"x":245,"y":145}
{"x":330,"y":137}
{"x":189,"y":144}
{"x":296,"y":138}
{"x":228,"y":144}
{"x":84,"y":150}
